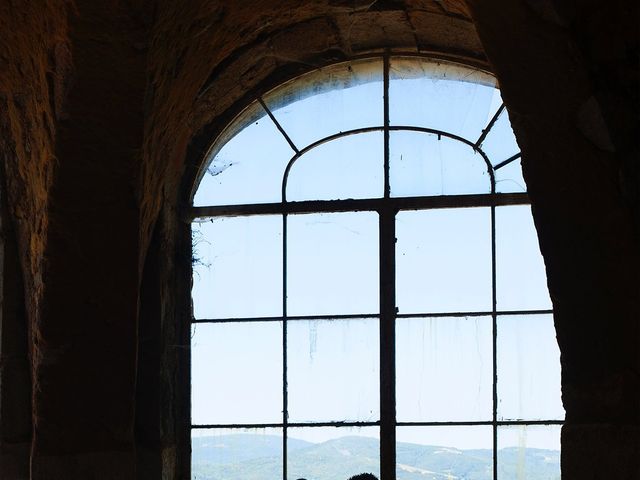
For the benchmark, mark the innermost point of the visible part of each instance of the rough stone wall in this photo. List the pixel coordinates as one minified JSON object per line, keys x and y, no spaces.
{"x":85,"y":370}
{"x":569,"y":76}
{"x":34,"y":67}
{"x":71,"y":121}
{"x":106,"y":109}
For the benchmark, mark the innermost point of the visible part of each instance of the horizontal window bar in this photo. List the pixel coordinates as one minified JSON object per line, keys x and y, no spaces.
{"x":280,"y":425}
{"x":500,"y":423}
{"x":474,"y":314}
{"x":351,"y":205}
{"x":371,"y":315}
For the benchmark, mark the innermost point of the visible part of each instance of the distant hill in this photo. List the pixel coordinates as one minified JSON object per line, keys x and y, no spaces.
{"x":258,"y":457}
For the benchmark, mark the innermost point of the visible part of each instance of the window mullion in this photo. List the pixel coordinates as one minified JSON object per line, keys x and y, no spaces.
{"x":285,"y":392}
{"x":494,"y":342}
{"x":387,"y":345}
{"x":387,"y":311}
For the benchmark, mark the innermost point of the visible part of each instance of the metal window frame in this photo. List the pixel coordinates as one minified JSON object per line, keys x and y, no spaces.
{"x":387,"y":207}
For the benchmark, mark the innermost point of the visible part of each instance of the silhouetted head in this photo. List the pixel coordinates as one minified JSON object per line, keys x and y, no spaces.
{"x":364,"y":476}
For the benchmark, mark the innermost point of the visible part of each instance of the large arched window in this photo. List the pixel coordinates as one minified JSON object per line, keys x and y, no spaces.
{"x":368,"y":293}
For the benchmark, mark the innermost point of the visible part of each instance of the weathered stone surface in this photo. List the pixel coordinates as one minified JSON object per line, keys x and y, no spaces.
{"x":106,"y":109}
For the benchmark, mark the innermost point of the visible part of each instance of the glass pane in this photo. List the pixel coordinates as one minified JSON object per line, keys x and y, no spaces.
{"x":521,"y":279}
{"x":331,"y":453}
{"x":349,"y":167}
{"x":528,"y":369}
{"x":332,"y":263}
{"x":444,"y":369}
{"x":434,"y":453}
{"x":443,"y":260}
{"x":529,"y":452}
{"x":237,"y":267}
{"x":236,"y":454}
{"x":422,"y":164}
{"x":330,"y":100}
{"x":333,"y":372}
{"x":436,"y":95}
{"x":500,"y":143}
{"x":509,"y":178}
{"x":248,"y":168}
{"x":236,"y":373}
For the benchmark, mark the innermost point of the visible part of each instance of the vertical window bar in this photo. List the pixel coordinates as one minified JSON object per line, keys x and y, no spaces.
{"x":494,"y":321}
{"x":387,"y":186}
{"x":285,"y":393}
{"x":387,"y":313}
{"x":387,"y":345}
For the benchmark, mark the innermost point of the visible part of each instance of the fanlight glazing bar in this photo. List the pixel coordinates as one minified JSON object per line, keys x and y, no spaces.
{"x":358,"y":205}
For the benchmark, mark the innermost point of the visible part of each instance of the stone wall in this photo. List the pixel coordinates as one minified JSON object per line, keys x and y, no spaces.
{"x":106,"y":110}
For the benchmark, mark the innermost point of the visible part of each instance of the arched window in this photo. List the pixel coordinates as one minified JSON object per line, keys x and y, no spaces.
{"x":368,"y":293}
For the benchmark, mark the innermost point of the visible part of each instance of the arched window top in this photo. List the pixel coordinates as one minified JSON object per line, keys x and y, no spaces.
{"x":321,"y":136}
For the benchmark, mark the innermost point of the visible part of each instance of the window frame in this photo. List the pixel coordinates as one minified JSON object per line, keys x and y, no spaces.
{"x":387,"y":207}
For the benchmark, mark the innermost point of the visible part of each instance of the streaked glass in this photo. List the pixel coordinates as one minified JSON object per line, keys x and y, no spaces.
{"x":521,"y":278}
{"x":237,"y":454}
{"x":443,"y":260}
{"x":237,"y":267}
{"x":444,"y":369}
{"x":509,"y":178}
{"x":422,"y":164}
{"x":329,"y":100}
{"x":348,"y":167}
{"x":333,"y":370}
{"x":332,"y":263}
{"x":236,"y":373}
{"x":529,"y":452}
{"x":333,"y":453}
{"x":444,"y":452}
{"x":440,"y":95}
{"x":528,"y":368}
{"x":248,"y":168}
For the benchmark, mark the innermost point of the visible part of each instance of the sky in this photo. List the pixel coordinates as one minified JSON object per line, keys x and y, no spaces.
{"x":443,"y":264}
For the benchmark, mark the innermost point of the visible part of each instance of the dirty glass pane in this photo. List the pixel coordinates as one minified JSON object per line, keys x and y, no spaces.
{"x":528,"y":369}
{"x":330,"y":100}
{"x":440,"y":95}
{"x":443,"y":452}
{"x":248,"y":168}
{"x":529,"y":452}
{"x":500,"y":143}
{"x":236,"y":454}
{"x":444,"y":369}
{"x":236,"y":373}
{"x":521,"y":279}
{"x":330,"y":453}
{"x":443,"y":260}
{"x":349,"y":167}
{"x":332,"y":263}
{"x":333,"y":371}
{"x":237,"y":267}
{"x":509,"y":178}
{"x":422,"y":164}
